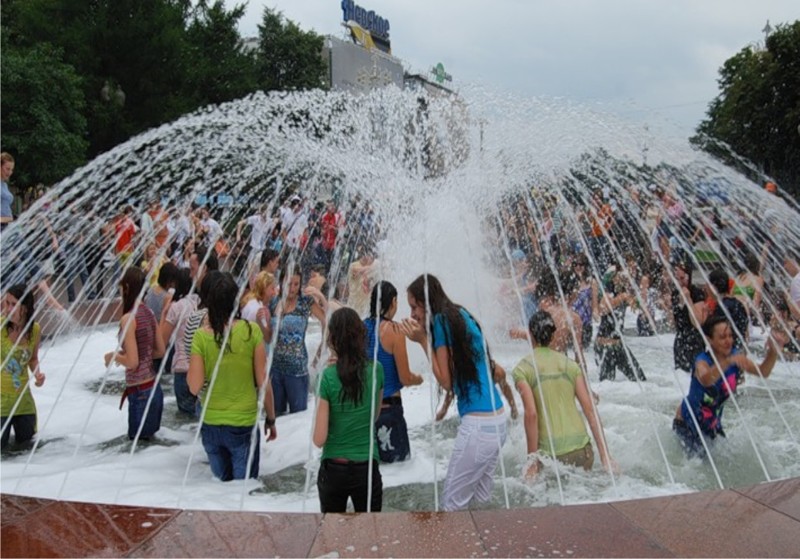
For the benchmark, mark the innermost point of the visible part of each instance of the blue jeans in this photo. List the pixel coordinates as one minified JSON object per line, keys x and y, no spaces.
{"x":186,"y":400}
{"x":289,"y":391}
{"x":137,"y":402}
{"x":391,"y":432}
{"x":228,"y":450}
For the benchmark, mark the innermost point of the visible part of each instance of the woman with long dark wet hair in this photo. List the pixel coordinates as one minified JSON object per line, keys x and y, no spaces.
{"x":392,"y":431}
{"x":350,"y":394}
{"x":19,"y":355}
{"x":233,"y":383}
{"x":139,"y":345}
{"x":460,"y":363}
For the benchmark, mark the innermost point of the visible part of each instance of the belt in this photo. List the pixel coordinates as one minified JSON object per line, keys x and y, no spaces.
{"x":393,"y":400}
{"x":134,"y":389}
{"x":347,"y":462}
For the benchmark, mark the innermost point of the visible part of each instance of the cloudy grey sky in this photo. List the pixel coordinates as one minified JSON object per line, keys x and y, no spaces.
{"x":649,"y":61}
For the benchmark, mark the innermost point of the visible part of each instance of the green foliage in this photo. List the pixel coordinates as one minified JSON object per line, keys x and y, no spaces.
{"x":105,"y":70}
{"x":43,"y":123}
{"x":758,"y":110}
{"x":219,"y":70}
{"x":288,"y":58}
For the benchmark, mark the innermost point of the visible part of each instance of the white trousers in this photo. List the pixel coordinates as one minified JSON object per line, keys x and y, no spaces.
{"x":470,"y":473}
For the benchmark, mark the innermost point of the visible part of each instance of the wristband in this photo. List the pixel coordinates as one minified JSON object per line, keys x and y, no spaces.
{"x":269,"y":422}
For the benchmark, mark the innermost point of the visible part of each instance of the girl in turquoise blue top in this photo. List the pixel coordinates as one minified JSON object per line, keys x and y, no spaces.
{"x":460,"y":363}
{"x":350,"y":393}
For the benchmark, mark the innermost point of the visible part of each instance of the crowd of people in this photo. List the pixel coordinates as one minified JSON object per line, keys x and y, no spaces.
{"x":227,"y":312}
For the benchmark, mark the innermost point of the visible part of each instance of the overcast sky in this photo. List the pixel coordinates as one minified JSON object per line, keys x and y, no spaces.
{"x":649,"y":61}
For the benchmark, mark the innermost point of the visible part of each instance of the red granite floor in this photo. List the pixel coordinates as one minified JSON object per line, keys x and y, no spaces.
{"x":759,"y":521}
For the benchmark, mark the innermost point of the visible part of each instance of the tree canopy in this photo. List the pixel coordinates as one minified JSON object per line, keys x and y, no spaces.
{"x":81,"y":76}
{"x":757,"y":113}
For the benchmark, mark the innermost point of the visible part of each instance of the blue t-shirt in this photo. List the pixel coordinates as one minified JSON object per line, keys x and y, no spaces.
{"x":706,"y":402}
{"x":478,"y":396}
{"x":386,"y":359}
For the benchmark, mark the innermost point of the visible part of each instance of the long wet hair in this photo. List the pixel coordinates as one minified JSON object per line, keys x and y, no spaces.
{"x":222,"y":306}
{"x":132,"y":283}
{"x":25,"y":302}
{"x":347,"y":337}
{"x":463,"y":367}
{"x":206,"y":286}
{"x":388,"y":293}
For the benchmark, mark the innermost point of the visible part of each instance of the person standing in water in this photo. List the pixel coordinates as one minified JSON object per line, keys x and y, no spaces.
{"x":350,"y":394}
{"x":392,"y":431}
{"x":715,"y":377}
{"x":139,"y":344}
{"x":19,"y":352}
{"x":549,"y":382}
{"x":460,"y":363}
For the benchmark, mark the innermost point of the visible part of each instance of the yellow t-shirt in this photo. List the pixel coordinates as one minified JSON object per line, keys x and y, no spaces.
{"x":558,"y":375}
{"x":15,"y":374}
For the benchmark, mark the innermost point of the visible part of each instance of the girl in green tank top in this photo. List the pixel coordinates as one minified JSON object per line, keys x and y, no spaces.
{"x":548,"y":382}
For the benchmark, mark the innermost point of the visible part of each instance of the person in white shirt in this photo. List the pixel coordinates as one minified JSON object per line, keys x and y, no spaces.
{"x":261,"y":227}
{"x":295,"y":224}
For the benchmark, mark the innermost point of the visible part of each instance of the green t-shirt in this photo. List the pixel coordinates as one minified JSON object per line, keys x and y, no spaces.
{"x":233,"y":400}
{"x":350,"y":428}
{"x":558,"y":375}
{"x":15,"y":374}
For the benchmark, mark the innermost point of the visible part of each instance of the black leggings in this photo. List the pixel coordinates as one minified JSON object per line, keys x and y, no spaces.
{"x":338,"y":482}
{"x":618,"y":356}
{"x":24,"y":428}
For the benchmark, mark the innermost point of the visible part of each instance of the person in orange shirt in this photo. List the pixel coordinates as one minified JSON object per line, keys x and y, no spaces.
{"x":601,"y":217}
{"x":160,"y":218}
{"x":124,"y":231}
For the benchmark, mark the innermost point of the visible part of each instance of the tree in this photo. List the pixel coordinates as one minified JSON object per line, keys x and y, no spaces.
{"x":219,"y":70}
{"x":288,"y":57}
{"x":42,"y":103}
{"x":130,"y":54}
{"x":758,"y":110}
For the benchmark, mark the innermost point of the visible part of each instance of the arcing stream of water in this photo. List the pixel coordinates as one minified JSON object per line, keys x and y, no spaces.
{"x":455,"y":188}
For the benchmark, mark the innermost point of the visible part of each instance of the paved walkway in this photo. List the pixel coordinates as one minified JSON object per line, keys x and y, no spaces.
{"x":759,"y":521}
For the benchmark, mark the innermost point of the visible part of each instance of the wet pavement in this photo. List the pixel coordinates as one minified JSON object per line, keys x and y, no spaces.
{"x":758,"y":521}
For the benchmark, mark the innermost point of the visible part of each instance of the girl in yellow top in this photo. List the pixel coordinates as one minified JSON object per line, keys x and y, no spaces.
{"x":19,"y":355}
{"x":548,"y":382}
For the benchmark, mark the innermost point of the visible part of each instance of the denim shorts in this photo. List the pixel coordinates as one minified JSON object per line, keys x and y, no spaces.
{"x":391,"y":432}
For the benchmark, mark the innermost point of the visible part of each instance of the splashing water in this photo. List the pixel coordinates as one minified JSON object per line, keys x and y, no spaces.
{"x":446,"y":181}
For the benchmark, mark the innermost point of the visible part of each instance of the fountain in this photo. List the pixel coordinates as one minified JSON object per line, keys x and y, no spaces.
{"x":446,"y":181}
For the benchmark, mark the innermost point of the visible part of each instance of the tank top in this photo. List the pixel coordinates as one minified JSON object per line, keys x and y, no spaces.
{"x":583,"y":305}
{"x":145,"y":335}
{"x":391,"y":378}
